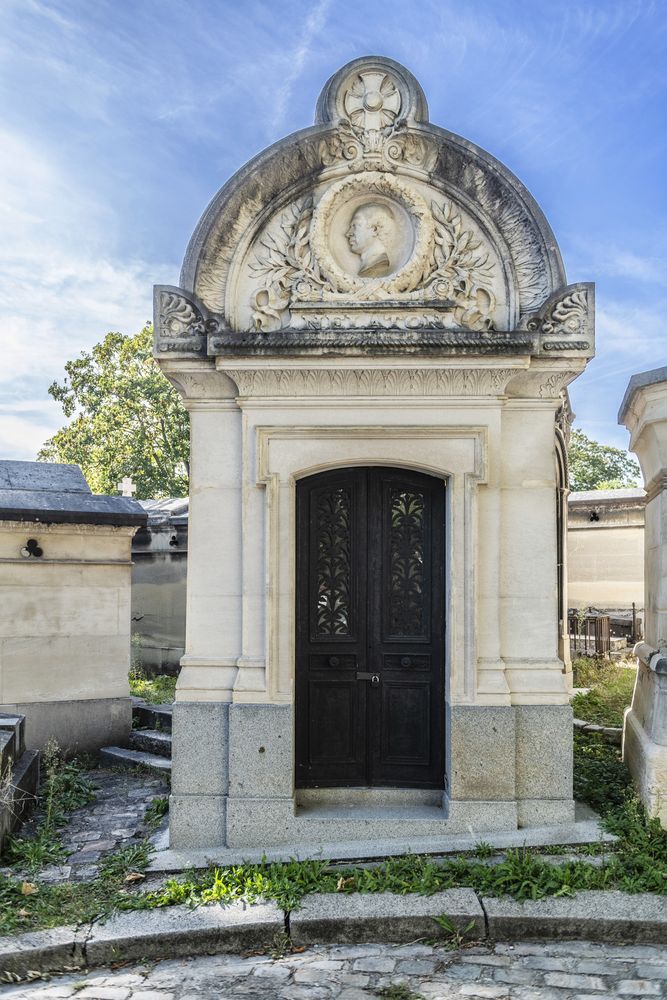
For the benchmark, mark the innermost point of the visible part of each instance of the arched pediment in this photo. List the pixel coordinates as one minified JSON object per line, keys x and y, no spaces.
{"x":459,"y":239}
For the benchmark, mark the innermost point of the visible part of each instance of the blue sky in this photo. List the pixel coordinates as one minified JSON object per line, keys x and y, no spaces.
{"x":121,"y":118}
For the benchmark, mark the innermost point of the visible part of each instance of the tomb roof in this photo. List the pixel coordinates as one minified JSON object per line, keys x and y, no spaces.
{"x":55,"y":493}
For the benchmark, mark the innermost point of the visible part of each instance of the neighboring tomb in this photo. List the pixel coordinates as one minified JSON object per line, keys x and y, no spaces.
{"x":644,"y":413}
{"x":65,"y":605}
{"x":373,"y":334}
{"x":159,"y":563}
{"x":605,"y":550}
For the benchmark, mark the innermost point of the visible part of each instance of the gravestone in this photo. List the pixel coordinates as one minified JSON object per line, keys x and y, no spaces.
{"x":373,"y":335}
{"x":644,"y":413}
{"x":65,"y":609}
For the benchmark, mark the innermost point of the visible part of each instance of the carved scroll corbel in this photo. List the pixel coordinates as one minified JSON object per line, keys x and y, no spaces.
{"x":182,"y":324}
{"x":566,"y":321}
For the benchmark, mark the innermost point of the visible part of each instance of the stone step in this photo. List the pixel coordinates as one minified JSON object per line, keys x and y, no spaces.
{"x":125,"y":757}
{"x":20,"y":794}
{"x":151,"y":741}
{"x":149,"y":716}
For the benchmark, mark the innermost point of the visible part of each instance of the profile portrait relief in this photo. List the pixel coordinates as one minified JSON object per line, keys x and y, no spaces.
{"x":371,"y":231}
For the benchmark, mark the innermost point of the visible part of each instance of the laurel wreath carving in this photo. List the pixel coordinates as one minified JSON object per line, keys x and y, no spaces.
{"x":459,"y":270}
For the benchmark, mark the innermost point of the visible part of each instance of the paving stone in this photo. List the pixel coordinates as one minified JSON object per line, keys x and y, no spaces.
{"x":571,"y":981}
{"x":278,"y":973}
{"x":417,"y":967}
{"x":483,"y":990}
{"x":477,"y":959}
{"x":104,"y":993}
{"x":353,"y":979}
{"x":152,"y":995}
{"x":375,"y":963}
{"x":638,"y":988}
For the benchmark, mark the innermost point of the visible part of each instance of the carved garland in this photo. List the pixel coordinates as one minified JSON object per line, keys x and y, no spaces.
{"x":451,"y":267}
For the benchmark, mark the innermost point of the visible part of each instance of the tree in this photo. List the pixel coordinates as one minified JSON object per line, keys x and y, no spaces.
{"x":127,"y":419}
{"x":595,"y":466}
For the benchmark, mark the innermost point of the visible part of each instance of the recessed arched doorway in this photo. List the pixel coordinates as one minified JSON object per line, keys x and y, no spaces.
{"x":370,"y":624}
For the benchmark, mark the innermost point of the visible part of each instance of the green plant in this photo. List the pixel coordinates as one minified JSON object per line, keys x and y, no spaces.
{"x":132,"y":858}
{"x":63,"y":788}
{"x":156,"y":810}
{"x":484,"y":850}
{"x":398,"y":991}
{"x":610,"y":693}
{"x":156,"y":690}
{"x":454,"y":936}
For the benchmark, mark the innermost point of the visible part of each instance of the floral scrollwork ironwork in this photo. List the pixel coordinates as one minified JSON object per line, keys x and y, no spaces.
{"x":406,"y":554}
{"x":333,"y":563}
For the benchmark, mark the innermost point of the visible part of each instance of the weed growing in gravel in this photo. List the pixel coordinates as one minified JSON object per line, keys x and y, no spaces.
{"x":158,"y":808}
{"x":132,"y":858}
{"x":63,"y":788}
{"x":398,"y":991}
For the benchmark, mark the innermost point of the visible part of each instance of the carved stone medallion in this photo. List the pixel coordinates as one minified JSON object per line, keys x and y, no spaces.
{"x":371,"y":234}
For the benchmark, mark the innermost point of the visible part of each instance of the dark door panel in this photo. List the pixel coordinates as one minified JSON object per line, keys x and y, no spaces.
{"x":370,"y":629}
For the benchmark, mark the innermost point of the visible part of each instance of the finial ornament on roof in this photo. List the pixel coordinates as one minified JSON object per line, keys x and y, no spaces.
{"x":372,"y":93}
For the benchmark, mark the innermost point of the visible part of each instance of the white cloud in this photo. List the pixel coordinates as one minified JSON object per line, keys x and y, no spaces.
{"x":297,"y":58}
{"x":61,"y":287}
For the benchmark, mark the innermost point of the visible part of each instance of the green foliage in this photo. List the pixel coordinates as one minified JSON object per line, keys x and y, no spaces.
{"x":595,"y":466}
{"x":127,"y":420}
{"x":156,"y":810}
{"x":611,"y":687}
{"x":637,"y":862}
{"x":131,"y":858}
{"x":484,"y":850}
{"x":63,"y":788}
{"x":453,"y":936}
{"x":156,"y":690}
{"x":398,"y":991}
{"x":600,"y":776}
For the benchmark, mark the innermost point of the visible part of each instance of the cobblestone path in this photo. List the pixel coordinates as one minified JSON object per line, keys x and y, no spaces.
{"x":564,"y":970}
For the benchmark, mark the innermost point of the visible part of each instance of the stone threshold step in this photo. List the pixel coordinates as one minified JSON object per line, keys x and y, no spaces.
{"x":151,"y":716}
{"x":151,"y":741}
{"x":124,"y":757}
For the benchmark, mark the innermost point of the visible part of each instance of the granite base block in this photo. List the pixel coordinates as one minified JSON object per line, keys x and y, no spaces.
{"x":647,"y":763}
{"x":200,"y":748}
{"x":544,"y":812}
{"x":333,"y":917}
{"x":482,"y":739}
{"x":197,"y":821}
{"x":261,"y":751}
{"x":544,"y":757}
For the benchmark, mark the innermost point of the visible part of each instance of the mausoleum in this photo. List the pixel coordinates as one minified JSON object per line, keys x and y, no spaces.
{"x":373,"y":334}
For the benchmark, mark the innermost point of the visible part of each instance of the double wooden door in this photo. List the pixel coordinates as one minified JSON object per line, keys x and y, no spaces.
{"x":370,"y":629}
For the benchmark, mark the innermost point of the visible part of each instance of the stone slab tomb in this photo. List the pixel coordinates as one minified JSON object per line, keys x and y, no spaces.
{"x":373,"y":334}
{"x":65,"y":605}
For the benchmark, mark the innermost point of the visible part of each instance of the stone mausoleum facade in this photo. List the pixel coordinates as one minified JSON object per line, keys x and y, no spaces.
{"x":373,"y":335}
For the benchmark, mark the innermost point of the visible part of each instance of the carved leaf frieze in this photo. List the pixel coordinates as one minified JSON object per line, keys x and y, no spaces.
{"x":371,"y":382}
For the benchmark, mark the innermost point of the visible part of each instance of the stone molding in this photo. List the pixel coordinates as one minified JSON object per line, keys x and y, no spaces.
{"x":371,"y":381}
{"x":185,"y":329}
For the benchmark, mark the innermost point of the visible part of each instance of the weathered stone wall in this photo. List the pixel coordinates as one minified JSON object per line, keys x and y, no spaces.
{"x":605,"y":549}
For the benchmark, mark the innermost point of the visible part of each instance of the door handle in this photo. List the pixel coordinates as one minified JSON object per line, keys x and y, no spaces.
{"x":373,"y":678}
